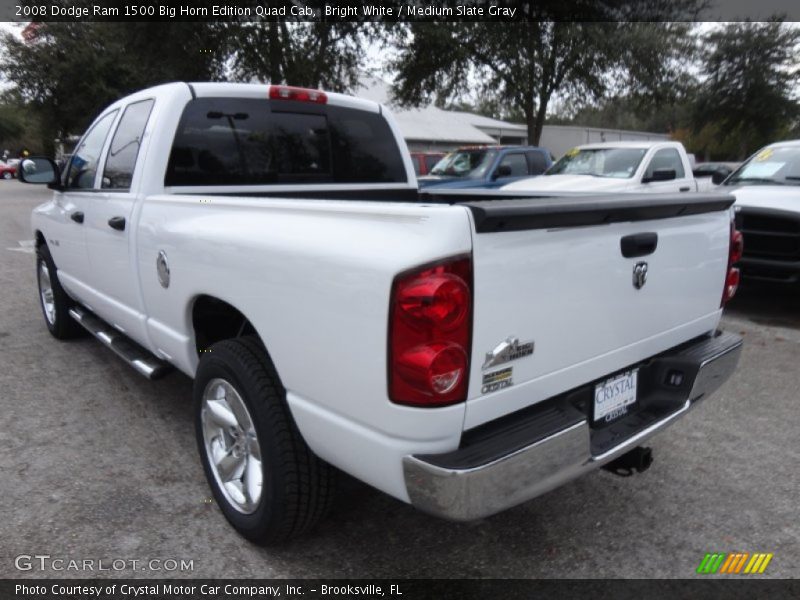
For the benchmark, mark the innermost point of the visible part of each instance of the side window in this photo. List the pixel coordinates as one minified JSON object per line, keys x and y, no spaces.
{"x":83,"y":166}
{"x":538,"y":163}
{"x":121,"y":159}
{"x":666,"y":158}
{"x":517,"y":163}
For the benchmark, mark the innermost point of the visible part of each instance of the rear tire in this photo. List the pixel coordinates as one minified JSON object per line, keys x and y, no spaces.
{"x":8,"y":175}
{"x":53,"y":300}
{"x":269,"y":485}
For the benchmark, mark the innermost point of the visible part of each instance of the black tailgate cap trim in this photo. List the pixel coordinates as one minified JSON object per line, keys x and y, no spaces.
{"x":550,"y":213}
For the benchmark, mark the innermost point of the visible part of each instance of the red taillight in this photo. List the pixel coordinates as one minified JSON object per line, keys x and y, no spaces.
{"x":287,"y":92}
{"x":430,"y":322}
{"x":442,"y":299}
{"x":737,"y":246}
{"x":731,"y":284}
{"x":437,"y":367}
{"x":732,"y":276}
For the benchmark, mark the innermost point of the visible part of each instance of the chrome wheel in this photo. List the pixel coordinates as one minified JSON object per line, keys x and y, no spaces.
{"x":231,"y":445}
{"x":46,"y":293}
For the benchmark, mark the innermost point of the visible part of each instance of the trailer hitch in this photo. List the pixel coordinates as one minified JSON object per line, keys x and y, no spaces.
{"x":639,"y":460}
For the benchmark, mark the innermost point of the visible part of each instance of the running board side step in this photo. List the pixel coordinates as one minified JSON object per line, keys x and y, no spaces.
{"x":140,"y":359}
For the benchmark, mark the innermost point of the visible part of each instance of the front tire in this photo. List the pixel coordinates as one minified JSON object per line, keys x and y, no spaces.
{"x":265,"y":479}
{"x":54,"y":301}
{"x":7,"y":175}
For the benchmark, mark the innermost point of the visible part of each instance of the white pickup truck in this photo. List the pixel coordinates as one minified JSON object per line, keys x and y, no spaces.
{"x":461,"y":354}
{"x":609,"y":167}
{"x":767,"y":191}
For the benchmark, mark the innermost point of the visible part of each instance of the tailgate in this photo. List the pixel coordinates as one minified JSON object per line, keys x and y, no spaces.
{"x":565,"y":279}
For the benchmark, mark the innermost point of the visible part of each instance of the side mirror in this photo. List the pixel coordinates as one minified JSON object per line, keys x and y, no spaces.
{"x":38,"y":170}
{"x":661,"y":175}
{"x":502,"y":171}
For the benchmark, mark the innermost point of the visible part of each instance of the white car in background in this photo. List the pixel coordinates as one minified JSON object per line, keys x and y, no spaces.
{"x":767,"y":191}
{"x":639,"y":167}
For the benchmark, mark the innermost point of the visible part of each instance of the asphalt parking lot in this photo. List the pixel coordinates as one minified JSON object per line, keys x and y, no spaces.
{"x":99,"y":463}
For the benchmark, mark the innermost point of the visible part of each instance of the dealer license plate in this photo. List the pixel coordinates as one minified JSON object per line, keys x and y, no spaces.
{"x":613,"y":397}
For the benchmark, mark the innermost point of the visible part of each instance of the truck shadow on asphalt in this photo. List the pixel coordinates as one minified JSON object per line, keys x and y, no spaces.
{"x":775,"y":305}
{"x":369,"y":534}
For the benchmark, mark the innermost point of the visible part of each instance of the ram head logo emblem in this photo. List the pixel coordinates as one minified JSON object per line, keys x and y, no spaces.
{"x":639,"y":275}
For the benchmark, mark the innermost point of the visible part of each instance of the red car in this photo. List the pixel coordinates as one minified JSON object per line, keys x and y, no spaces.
{"x":8,"y":171}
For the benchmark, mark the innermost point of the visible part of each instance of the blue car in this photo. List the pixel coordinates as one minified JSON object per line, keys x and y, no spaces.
{"x":486,"y":167}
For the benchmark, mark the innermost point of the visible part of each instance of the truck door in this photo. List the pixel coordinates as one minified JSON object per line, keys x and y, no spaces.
{"x":110,"y":233}
{"x":510,"y":167}
{"x":67,"y":240}
{"x":667,"y":159}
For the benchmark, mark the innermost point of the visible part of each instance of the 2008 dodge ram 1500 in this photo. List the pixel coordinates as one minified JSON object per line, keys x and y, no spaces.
{"x":458,"y":353}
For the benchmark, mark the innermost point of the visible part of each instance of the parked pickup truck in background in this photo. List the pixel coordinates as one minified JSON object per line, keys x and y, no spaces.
{"x":610,"y":167}
{"x":486,"y":167}
{"x":463,"y":354}
{"x":767,"y":191}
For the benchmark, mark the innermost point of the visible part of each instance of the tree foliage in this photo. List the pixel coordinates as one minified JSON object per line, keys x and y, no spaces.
{"x":624,"y":64}
{"x":325,"y":55}
{"x":631,"y":113}
{"x":528,"y":64}
{"x":12,"y":124}
{"x":745,"y":97}
{"x":69,"y":71}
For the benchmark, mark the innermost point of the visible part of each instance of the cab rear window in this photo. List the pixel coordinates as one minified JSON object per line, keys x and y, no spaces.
{"x":239,"y":141}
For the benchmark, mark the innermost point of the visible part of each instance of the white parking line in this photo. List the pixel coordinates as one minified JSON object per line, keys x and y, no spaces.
{"x":26,"y":246}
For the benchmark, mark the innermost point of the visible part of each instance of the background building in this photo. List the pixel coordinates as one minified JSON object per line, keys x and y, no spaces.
{"x":433,"y":128}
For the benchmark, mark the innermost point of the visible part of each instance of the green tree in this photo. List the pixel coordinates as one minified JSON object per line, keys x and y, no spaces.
{"x":324,"y":55}
{"x":627,"y":111}
{"x":67,"y":72}
{"x":528,"y":64}
{"x":749,"y":72}
{"x":12,"y":123}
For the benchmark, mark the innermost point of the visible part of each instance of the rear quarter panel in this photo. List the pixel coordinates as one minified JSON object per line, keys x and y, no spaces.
{"x":314,"y":278}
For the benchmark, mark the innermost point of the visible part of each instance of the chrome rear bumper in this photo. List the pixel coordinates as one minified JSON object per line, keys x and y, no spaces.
{"x":452,"y":486}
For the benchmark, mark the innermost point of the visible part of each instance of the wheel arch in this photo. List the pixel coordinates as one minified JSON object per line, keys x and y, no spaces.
{"x":214,"y":319}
